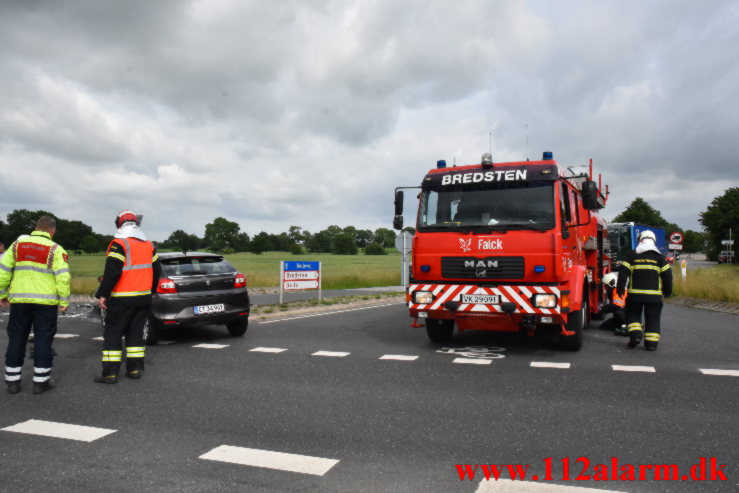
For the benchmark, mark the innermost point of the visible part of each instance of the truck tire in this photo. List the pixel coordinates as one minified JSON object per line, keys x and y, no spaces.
{"x":575,"y":323}
{"x":238,"y":327}
{"x":151,"y":332}
{"x":439,"y":330}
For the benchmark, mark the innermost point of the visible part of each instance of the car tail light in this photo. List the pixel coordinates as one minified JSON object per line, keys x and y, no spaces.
{"x":166,"y":286}
{"x":240,"y":280}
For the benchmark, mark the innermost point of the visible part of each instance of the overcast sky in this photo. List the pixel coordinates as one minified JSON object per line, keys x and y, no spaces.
{"x":310,"y":112}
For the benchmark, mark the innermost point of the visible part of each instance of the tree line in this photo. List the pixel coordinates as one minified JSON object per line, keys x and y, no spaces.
{"x":221,"y":236}
{"x":225,"y":236}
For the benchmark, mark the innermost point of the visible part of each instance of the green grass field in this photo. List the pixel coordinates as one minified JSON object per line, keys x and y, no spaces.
{"x":338,"y":271}
{"x":719,"y":283}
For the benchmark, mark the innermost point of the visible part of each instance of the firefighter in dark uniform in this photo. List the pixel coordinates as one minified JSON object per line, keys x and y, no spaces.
{"x":131,"y":274}
{"x":649,"y":279}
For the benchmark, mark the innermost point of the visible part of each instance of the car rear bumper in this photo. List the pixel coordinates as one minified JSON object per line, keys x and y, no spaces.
{"x":174,"y":310}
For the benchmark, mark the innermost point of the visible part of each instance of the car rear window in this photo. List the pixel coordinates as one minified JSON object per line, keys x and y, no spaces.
{"x":196,"y":266}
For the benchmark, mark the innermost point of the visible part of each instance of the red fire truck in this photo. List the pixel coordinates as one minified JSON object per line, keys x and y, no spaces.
{"x":513,"y":247}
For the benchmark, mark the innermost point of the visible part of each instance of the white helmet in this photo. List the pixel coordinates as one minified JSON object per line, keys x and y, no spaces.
{"x":647,"y":234}
{"x":611,"y":279}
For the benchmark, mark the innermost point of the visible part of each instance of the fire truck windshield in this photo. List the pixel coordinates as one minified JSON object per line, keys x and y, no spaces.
{"x":490,"y":207}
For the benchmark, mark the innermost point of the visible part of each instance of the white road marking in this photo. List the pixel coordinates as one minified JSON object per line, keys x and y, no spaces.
{"x":471,"y":361}
{"x":645,"y":369}
{"x":335,"y":354}
{"x":98,"y":338}
{"x":328,"y":313}
{"x":546,"y":364}
{"x":515,"y":486}
{"x":211,"y":346}
{"x":399,"y":357}
{"x":164,"y":343}
{"x":59,"y":430}
{"x":65,"y":336}
{"x":722,"y":373}
{"x":304,"y":464}
{"x":268,"y":350}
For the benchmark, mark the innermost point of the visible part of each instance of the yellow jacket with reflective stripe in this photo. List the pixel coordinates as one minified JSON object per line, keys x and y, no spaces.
{"x":35,"y":270}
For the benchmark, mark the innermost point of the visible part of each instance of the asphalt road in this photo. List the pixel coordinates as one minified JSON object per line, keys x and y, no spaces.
{"x":361,"y":423}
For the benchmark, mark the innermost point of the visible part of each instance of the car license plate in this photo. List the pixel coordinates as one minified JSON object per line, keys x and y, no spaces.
{"x":480,"y":299}
{"x":205,"y":309}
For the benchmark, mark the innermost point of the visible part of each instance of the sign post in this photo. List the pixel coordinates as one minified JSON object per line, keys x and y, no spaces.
{"x":403,"y":243}
{"x":299,"y":275}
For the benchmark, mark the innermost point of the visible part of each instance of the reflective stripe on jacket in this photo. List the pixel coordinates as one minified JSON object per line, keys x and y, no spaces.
{"x":35,"y":270}
{"x":137,"y":274}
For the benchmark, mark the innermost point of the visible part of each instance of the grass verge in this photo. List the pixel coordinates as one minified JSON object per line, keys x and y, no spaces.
{"x":719,"y":283}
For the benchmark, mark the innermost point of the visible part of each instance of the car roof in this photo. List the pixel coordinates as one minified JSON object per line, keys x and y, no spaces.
{"x":173,"y":255}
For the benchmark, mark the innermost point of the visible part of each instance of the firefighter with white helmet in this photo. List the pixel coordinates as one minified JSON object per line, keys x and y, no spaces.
{"x":131,"y":273}
{"x":646,"y":277}
{"x":617,"y":323}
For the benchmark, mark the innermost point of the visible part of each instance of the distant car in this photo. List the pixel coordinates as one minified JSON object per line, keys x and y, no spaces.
{"x":726,"y":257}
{"x":195,"y":289}
{"x":670,"y":259}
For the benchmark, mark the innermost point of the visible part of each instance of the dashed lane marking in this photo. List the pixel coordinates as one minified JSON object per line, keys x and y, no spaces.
{"x":515,"y":486}
{"x":164,"y":343}
{"x":471,"y":361}
{"x":399,"y":357}
{"x":304,"y":464}
{"x":65,"y":336}
{"x":98,"y":338}
{"x":644,"y":369}
{"x":327,"y":313}
{"x":334,"y":354}
{"x":545,"y":364}
{"x":722,"y":373}
{"x":59,"y":430}
{"x":268,"y":350}
{"x":211,"y":346}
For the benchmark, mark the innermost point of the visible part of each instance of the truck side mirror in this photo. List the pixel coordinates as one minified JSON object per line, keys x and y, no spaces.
{"x":398,"y":219}
{"x":590,"y":195}
{"x":398,"y":202}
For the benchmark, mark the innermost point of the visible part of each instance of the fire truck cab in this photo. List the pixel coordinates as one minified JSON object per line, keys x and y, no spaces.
{"x":513,"y":247}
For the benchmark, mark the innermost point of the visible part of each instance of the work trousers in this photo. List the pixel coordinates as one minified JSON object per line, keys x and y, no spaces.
{"x":617,"y":320}
{"x":24,"y":316}
{"x":123,"y":321}
{"x":652,"y":313}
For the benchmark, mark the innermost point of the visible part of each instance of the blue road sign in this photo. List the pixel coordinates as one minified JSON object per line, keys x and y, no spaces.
{"x":292,"y":265}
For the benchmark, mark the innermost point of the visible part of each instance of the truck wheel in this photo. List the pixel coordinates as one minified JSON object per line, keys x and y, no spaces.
{"x":151,"y":332}
{"x":238,"y":327}
{"x":439,"y":330}
{"x":575,"y":323}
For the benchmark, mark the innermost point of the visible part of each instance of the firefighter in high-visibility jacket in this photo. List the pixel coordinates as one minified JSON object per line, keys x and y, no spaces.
{"x":131,"y":274}
{"x":616,"y":306}
{"x":34,"y":282}
{"x":647,"y":277}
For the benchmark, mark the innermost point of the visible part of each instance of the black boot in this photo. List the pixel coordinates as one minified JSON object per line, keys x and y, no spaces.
{"x":111,"y":379}
{"x":634,"y":341}
{"x":41,"y":387}
{"x":650,"y":347}
{"x":14,"y":387}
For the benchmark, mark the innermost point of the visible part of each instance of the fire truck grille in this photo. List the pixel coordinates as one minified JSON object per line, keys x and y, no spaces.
{"x":482,"y":268}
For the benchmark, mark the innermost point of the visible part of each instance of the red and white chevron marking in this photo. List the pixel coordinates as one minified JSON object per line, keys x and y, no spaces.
{"x":520,"y":295}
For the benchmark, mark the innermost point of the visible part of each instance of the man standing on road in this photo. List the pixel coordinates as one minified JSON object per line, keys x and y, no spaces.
{"x":131,"y":273}
{"x":649,"y":278}
{"x":34,"y":282}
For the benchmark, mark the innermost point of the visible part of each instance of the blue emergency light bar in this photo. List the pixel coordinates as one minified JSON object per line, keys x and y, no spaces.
{"x":441,"y":163}
{"x":548,"y":156}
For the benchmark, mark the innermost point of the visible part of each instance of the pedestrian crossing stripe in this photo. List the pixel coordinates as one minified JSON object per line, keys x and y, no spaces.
{"x":59,"y":430}
{"x":317,"y":466}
